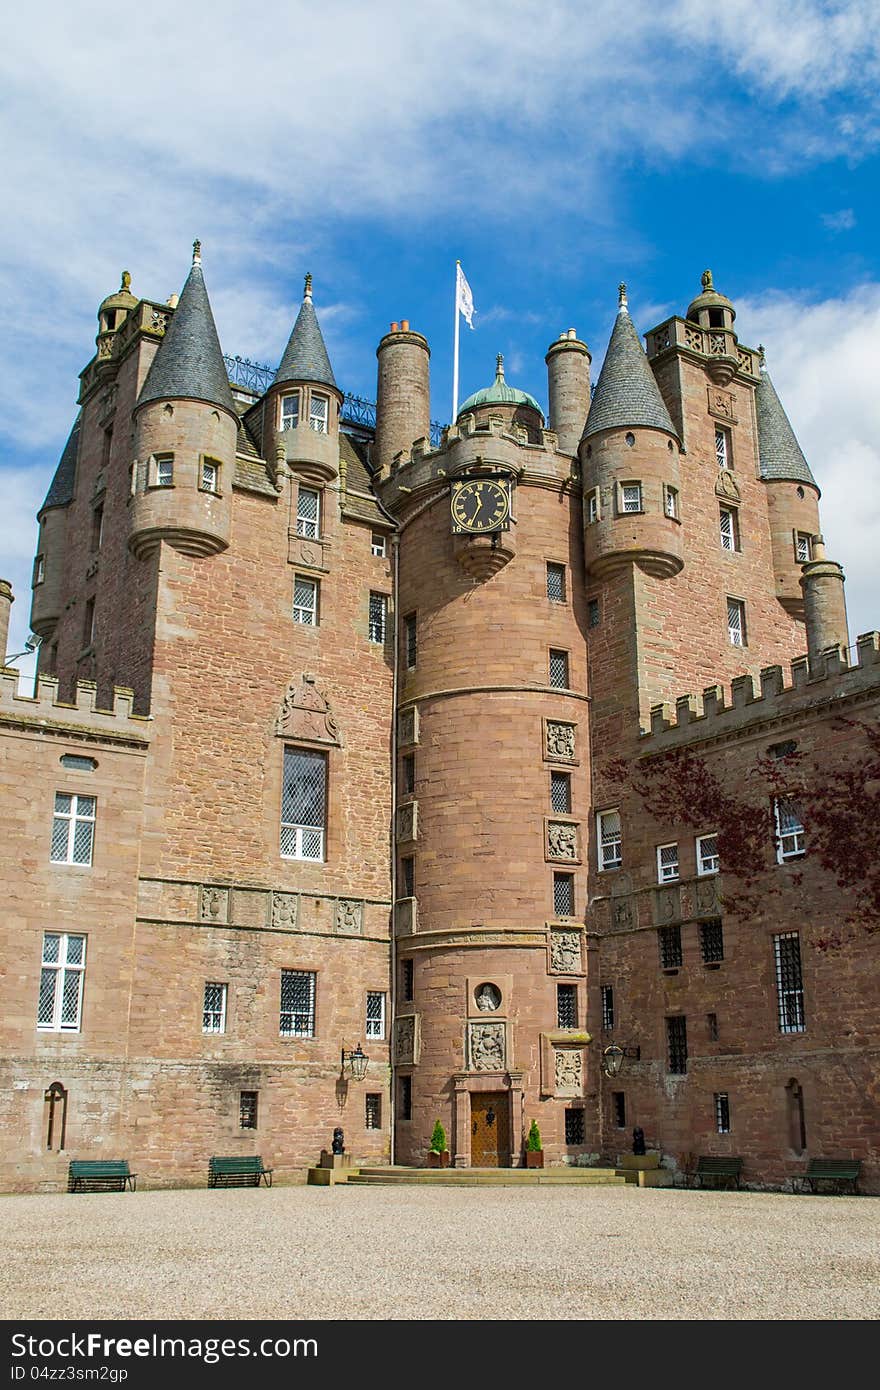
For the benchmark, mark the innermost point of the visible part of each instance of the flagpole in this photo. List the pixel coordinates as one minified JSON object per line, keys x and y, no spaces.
{"x":455,"y":351}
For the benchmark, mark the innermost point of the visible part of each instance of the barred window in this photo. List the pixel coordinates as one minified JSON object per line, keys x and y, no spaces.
{"x":303,"y":804}
{"x":308,"y":513}
{"x":803,"y":547}
{"x":630,"y":497}
{"x":407,"y":974}
{"x":566,"y":1006}
{"x":210,"y":476}
{"x":789,"y":982}
{"x":722,"y":1112}
{"x":62,"y":974}
{"x":607,"y":1007}
{"x":789,"y":829}
{"x":736,"y":622}
{"x":560,"y":792}
{"x":610,"y":839}
{"x":73,"y":829}
{"x":667,"y":863}
{"x":319,"y":412}
{"x":297,"y":1017}
{"x":723,"y":456}
{"x":574,"y":1127}
{"x":372,"y":1111}
{"x":676,"y":1044}
{"x":707,"y":855}
{"x":729,"y":528}
{"x":712,"y":941}
{"x":619,"y":1101}
{"x":559,"y":669}
{"x":247,"y":1109}
{"x":669,"y":940}
{"x":563,"y":895}
{"x":375,"y":1015}
{"x":593,"y":614}
{"x":377,"y":544}
{"x":378,"y":620}
{"x":214,"y":1008}
{"x":290,"y":411}
{"x":405,"y":1093}
{"x":305,"y":601}
{"x":556,"y":583}
{"x":410,"y":640}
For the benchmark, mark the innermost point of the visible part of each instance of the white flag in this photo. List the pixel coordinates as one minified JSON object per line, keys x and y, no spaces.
{"x":464,"y":299}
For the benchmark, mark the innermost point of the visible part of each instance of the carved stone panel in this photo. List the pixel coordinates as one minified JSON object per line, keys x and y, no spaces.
{"x":565,"y":952}
{"x":486,"y":1046}
{"x":706,"y":897}
{"x":285,"y":911}
{"x":560,"y":741}
{"x":213,"y":904}
{"x":667,"y":905}
{"x":722,"y":404}
{"x":408,"y":725}
{"x":405,"y":1050}
{"x":306,"y":554}
{"x":407,"y":820}
{"x":305,"y":714}
{"x":622,"y":915}
{"x":405,"y":916}
{"x":726,"y":486}
{"x":349,"y":917}
{"x":562,"y":841}
{"x":569,"y":1071}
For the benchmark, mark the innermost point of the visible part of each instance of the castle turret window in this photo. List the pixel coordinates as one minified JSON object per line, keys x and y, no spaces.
{"x":319,"y":413}
{"x":803,"y":547}
{"x":210,"y":476}
{"x":97,"y":527}
{"x":563,"y":895}
{"x":593,"y":506}
{"x":303,"y":804}
{"x":630,"y":497}
{"x":560,"y":792}
{"x":308,"y":513}
{"x":305,"y":601}
{"x":73,"y":829}
{"x":410,"y":640}
{"x":558,"y":669}
{"x":555,"y":582}
{"x":736,"y":621}
{"x":670,"y":501}
{"x":164,"y":471}
{"x":39,"y":571}
{"x":61,"y":983}
{"x":290,"y":411}
{"x":610,"y":839}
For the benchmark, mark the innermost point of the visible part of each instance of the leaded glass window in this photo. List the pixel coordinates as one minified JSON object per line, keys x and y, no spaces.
{"x":574,"y":1127}
{"x":319,"y":412}
{"x":303,"y":804}
{"x":210,"y":475}
{"x":722,"y":1112}
{"x":305,"y":601}
{"x":707,"y":855}
{"x":62,"y":973}
{"x":667,"y":863}
{"x":736,"y":621}
{"x":375,"y":1015}
{"x":610,"y":840}
{"x":378,"y":619}
{"x":372,"y":1111}
{"x":297,"y":1018}
{"x":631,"y":497}
{"x":308,"y":513}
{"x":789,"y":829}
{"x":290,"y":411}
{"x":727,"y":522}
{"x":73,"y":829}
{"x":722,"y":448}
{"x":712,"y":941}
{"x":558,"y":669}
{"x":563,"y":895}
{"x":556,"y":583}
{"x":214,"y":1008}
{"x":566,"y":1006}
{"x":560,"y":792}
{"x":676,"y":1044}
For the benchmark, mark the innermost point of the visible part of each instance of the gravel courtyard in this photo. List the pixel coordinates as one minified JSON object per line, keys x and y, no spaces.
{"x":371,"y":1253}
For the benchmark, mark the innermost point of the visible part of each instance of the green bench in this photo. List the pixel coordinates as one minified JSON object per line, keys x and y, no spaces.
{"x":243,"y":1171}
{"x":720,"y":1170}
{"x":97,"y":1174}
{"x":830,"y":1170}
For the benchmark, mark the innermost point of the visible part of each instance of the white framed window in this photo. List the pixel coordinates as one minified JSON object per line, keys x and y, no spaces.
{"x":667,"y":863}
{"x":736,"y":622}
{"x":378,"y":545}
{"x":308,"y":513}
{"x":729,"y":527}
{"x":210,"y":476}
{"x":670,"y":501}
{"x":375,"y":1023}
{"x":303,"y":804}
{"x":62,"y":973}
{"x":707,"y":854}
{"x":803,"y":547}
{"x":297,"y":1013}
{"x":789,"y":829}
{"x":305,"y":601}
{"x":789,"y":982}
{"x":378,"y":618}
{"x":555,"y":582}
{"x":39,"y":571}
{"x":290,"y":411}
{"x":73,"y":829}
{"x":214,"y":1008}
{"x":164,"y":471}
{"x":630,"y":497}
{"x":609,"y":839}
{"x":319,"y":413}
{"x":594,"y":511}
{"x":723,"y":452}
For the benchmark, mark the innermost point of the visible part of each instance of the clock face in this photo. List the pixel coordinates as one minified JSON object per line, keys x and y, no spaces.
{"x":480,"y":504}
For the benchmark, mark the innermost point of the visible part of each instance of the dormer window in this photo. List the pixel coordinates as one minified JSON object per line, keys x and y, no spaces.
{"x":290,"y":411}
{"x":319,"y":412}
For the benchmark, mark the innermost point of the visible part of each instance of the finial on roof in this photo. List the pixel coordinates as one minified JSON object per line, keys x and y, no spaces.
{"x":307,"y":292}
{"x":197,"y":253}
{"x":126,"y":280}
{"x":499,"y":366}
{"x":762,"y":355}
{"x":706,"y":280}
{"x":621,"y":297}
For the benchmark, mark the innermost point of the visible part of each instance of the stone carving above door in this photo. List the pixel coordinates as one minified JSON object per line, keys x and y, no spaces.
{"x":305,"y":714}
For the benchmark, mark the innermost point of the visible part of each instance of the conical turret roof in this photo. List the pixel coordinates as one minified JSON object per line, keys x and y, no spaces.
{"x":778,"y":450}
{"x":62,"y":485}
{"x":305,"y":357}
{"x":189,"y":363}
{"x":626,"y":393}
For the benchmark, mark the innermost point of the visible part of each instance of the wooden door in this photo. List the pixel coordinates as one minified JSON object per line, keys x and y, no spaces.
{"x":490,"y":1130}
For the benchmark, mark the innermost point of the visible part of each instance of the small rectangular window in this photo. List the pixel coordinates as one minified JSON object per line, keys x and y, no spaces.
{"x":408,"y":773}
{"x":574,"y":1126}
{"x":707,"y":855}
{"x":164,"y":474}
{"x":723,"y":452}
{"x":566,"y":1006}
{"x":610,"y":839}
{"x":729,"y":526}
{"x":712,"y":1027}
{"x":290,"y":411}
{"x":378,"y":618}
{"x":593,"y":615}
{"x":378,"y":545}
{"x":555,"y":583}
{"x":308,"y":513}
{"x":407,"y":979}
{"x":712,"y":941}
{"x":593,"y":506}
{"x":669,"y":941}
{"x":408,"y":877}
{"x":319,"y":413}
{"x":97,"y":527}
{"x":410,"y":640}
{"x":560,"y":792}
{"x":62,"y":973}
{"x":790,"y":842}
{"x":303,"y":804}
{"x":676,"y":1044}
{"x":736,"y":622}
{"x":789,"y":982}
{"x":558,"y":669}
{"x":305,"y":601}
{"x":563,"y":895}
{"x":630,"y":497}
{"x":667,"y":863}
{"x":375,"y":1027}
{"x":73,"y":829}
{"x":214,"y":1008}
{"x":247,"y":1109}
{"x":39,"y":571}
{"x":670,"y":501}
{"x":297,"y":1014}
{"x":210,"y":479}
{"x":722,"y":1112}
{"x":405,"y":1093}
{"x":619,"y":1100}
{"x":89,"y":623}
{"x":607,"y":1007}
{"x":803,"y":547}
{"x":372,"y":1111}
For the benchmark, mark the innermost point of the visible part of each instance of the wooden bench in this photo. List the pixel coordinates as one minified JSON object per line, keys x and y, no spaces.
{"x":726,"y":1170}
{"x":243,"y":1171}
{"x":831,"y":1170}
{"x":97,"y":1174}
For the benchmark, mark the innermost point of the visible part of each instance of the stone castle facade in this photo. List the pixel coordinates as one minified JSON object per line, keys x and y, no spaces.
{"x":317,"y":760}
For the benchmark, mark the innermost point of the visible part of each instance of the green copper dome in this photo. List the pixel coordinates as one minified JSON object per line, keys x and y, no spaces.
{"x":499,"y":393}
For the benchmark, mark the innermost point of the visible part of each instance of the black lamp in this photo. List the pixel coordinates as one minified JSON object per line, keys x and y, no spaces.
{"x":356,"y":1061}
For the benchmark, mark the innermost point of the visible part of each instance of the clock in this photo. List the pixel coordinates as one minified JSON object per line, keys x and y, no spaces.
{"x":478,"y":505}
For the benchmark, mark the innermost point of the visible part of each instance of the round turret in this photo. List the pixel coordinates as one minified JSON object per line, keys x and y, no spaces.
{"x":568,"y":380}
{"x":711,"y":309}
{"x":113,"y":310}
{"x":403,"y":393}
{"x":48,"y":596}
{"x":303,"y":403}
{"x":514,"y":406}
{"x":822,"y":581}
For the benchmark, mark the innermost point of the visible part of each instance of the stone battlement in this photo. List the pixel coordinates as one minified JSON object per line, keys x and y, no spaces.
{"x":712,"y":715}
{"x":82,"y":716}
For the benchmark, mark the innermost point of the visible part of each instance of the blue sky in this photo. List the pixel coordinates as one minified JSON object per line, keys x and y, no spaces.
{"x":555,"y":148}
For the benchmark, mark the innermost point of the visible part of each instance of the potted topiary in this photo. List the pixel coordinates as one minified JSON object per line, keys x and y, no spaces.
{"x":534,"y":1152}
{"x":438,"y":1154}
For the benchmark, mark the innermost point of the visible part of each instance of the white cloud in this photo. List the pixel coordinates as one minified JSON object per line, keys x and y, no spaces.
{"x":842,"y":221}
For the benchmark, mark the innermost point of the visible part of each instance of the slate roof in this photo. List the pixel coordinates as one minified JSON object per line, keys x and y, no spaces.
{"x":626,"y":393}
{"x":189,"y":363}
{"x":499,"y":393}
{"x":359,"y":501}
{"x":62,"y":485}
{"x":305,"y":357}
{"x":779,"y":452}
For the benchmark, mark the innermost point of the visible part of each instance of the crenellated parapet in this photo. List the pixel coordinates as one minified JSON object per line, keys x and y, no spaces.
{"x":815,"y":686}
{"x":82,"y":717}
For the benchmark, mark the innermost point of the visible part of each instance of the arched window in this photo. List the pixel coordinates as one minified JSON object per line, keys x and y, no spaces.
{"x":56,"y":1116}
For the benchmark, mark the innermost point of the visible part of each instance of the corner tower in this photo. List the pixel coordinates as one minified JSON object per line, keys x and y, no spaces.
{"x":301,"y":421}
{"x":792,"y":494}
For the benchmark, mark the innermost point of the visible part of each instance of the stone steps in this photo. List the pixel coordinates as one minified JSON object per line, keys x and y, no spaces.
{"x":492,"y":1177}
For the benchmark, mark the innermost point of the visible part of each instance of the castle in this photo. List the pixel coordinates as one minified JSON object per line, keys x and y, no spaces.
{"x":342,"y":743}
